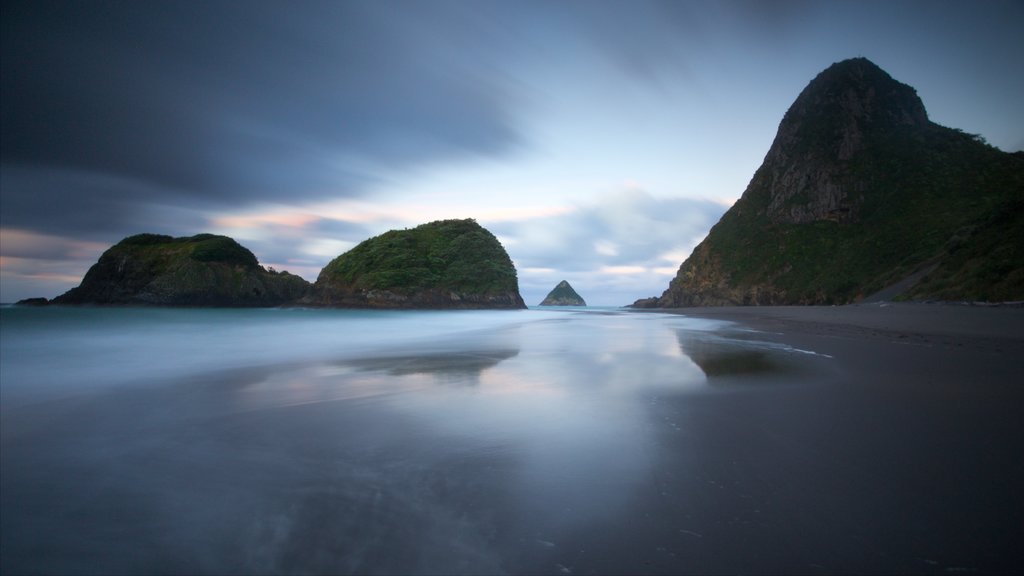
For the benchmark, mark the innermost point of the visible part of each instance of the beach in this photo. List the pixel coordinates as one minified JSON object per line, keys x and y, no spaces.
{"x":906,"y":457}
{"x":878,"y":438}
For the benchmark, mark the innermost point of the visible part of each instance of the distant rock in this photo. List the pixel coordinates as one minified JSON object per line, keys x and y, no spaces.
{"x":858,"y":192}
{"x":201,"y":270}
{"x":651,"y":302}
{"x":563,"y":295}
{"x":33,"y":302}
{"x":442,"y":264}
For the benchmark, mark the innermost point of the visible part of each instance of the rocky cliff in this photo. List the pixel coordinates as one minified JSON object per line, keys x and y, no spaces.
{"x":858,"y":191}
{"x":202,"y":270}
{"x":443,"y":264}
{"x":563,"y":295}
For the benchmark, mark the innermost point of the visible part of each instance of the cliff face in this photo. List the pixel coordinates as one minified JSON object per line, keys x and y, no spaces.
{"x":858,"y":191}
{"x":563,"y":295}
{"x":443,"y":264}
{"x":809,"y":173}
{"x":202,"y":270}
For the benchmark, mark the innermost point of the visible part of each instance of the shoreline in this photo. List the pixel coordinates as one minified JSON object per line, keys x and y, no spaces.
{"x":910,"y":322}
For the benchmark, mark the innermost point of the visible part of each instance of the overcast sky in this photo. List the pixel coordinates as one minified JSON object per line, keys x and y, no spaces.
{"x":599,"y":141}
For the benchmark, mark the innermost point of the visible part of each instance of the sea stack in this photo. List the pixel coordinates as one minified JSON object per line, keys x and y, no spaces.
{"x":439,"y":265}
{"x":860,"y":192}
{"x":563,"y":295}
{"x":201,"y":270}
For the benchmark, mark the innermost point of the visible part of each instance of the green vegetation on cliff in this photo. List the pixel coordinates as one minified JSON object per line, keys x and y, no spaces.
{"x":921,"y":203}
{"x":201,"y":270}
{"x":447,"y":263}
{"x":858,"y":192}
{"x":201,"y":248}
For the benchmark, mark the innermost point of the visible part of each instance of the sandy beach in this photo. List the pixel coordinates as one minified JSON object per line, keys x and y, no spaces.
{"x":864,"y":439}
{"x":883,"y":320}
{"x":906,"y":456}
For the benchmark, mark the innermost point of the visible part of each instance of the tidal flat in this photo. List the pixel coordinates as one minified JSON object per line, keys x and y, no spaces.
{"x":872,"y":439}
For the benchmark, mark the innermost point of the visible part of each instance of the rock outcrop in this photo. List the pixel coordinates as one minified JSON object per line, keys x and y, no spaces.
{"x":202,"y":270}
{"x":563,"y":295}
{"x":858,"y":191}
{"x":443,"y":264}
{"x":33,"y":302}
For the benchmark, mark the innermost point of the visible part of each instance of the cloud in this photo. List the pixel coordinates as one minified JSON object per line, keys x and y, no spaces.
{"x":623,"y":246}
{"x":295,"y":240}
{"x":121,"y":117}
{"x":313,"y":100}
{"x":41,"y":265}
{"x":73,"y":203}
{"x":21,"y":244}
{"x":620,"y":229}
{"x":216,"y":103}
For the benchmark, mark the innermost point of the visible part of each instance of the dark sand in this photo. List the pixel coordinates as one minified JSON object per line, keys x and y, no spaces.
{"x":906,"y":456}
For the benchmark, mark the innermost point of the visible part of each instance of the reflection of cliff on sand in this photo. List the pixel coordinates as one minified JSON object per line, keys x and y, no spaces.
{"x":718,"y":357}
{"x":458,"y":364}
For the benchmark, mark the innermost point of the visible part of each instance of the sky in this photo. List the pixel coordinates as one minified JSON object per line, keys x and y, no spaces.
{"x":599,"y":141}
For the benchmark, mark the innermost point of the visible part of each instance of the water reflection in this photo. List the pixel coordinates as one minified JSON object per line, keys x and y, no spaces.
{"x":719,"y":357}
{"x":459,"y":366}
{"x":486,"y":450}
{"x":730,"y":352}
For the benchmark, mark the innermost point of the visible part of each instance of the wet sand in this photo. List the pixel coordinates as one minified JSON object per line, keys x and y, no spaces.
{"x":904,"y":457}
{"x":872,"y":439}
{"x":967,"y":323}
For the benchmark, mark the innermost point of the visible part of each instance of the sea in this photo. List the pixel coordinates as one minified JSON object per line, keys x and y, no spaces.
{"x":156,"y":440}
{"x":311,"y":441}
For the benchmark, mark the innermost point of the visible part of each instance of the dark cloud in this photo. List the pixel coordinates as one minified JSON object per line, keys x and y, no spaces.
{"x":91,"y":206}
{"x":112,"y":108}
{"x":220,"y":102}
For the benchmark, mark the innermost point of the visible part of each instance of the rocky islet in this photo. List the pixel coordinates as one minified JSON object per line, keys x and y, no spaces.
{"x":563,"y":295}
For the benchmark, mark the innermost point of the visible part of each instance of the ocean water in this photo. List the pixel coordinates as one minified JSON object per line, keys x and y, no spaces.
{"x":179,"y":441}
{"x":64,"y":351}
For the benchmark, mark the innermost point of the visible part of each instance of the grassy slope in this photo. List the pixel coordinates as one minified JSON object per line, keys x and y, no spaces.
{"x":456,"y":255}
{"x":926,"y":193}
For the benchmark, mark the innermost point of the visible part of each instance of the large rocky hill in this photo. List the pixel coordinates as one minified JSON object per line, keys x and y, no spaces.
{"x":859,"y":191}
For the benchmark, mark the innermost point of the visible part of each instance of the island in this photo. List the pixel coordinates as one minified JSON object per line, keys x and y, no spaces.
{"x":445,"y":264}
{"x":201,"y":270}
{"x":563,"y":295}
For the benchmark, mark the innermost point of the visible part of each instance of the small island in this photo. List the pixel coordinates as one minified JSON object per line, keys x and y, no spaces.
{"x":440,"y":265}
{"x":563,"y":295}
{"x":200,"y":270}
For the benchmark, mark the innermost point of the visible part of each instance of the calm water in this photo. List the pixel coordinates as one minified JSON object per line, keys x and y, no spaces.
{"x":325,"y":441}
{"x":319,"y":441}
